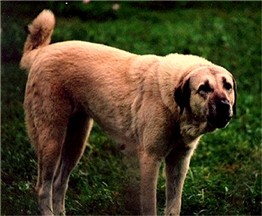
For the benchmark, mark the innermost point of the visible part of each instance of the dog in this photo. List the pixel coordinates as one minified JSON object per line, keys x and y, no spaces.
{"x":157,"y":106}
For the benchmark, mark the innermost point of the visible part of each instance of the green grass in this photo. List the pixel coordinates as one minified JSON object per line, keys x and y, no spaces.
{"x":225,"y":173}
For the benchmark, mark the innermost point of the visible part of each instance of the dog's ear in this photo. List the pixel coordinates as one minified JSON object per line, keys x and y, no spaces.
{"x":235,"y":102}
{"x":182,"y":95}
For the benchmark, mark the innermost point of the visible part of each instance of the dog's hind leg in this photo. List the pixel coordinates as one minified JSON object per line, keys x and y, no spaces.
{"x":49,"y":147}
{"x":78,"y":130}
{"x":47,"y":119}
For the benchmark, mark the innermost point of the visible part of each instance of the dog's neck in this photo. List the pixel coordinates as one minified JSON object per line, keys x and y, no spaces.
{"x":191,"y":128}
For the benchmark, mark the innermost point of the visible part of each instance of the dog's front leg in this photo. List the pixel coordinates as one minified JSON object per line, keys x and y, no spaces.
{"x":177,"y":164}
{"x":149,"y":167}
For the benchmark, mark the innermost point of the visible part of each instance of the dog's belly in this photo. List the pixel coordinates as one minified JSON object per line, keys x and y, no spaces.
{"x":116,"y":125}
{"x":109,"y":104}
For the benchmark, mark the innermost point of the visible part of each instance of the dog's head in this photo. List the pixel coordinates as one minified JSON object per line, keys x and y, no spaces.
{"x":208,"y":94}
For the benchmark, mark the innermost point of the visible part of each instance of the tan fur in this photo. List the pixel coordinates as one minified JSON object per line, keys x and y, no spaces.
{"x":140,"y":101}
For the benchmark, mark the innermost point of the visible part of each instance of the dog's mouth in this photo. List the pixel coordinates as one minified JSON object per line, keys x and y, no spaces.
{"x":218,"y":121}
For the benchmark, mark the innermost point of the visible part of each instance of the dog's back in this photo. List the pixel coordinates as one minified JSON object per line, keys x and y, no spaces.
{"x":39,"y":36}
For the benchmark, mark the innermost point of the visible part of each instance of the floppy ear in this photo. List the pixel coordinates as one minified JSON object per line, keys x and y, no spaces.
{"x":235,"y":102}
{"x":182,"y":95}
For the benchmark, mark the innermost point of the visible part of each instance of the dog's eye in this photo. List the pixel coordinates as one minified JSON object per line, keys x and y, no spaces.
{"x":204,"y":88}
{"x":227,"y":86}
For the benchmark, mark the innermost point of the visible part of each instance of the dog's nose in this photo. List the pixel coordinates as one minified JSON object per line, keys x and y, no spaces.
{"x":223,"y":107}
{"x":220,"y":116}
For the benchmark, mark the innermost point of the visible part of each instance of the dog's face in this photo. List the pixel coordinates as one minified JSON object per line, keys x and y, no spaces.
{"x":208,"y":94}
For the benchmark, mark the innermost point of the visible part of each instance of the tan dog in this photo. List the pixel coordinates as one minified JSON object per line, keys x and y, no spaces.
{"x":156,"y":106}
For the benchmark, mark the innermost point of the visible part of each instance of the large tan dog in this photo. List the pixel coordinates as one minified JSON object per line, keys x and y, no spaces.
{"x":156,"y":106}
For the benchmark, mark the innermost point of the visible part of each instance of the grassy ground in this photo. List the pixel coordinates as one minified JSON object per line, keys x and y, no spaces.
{"x":225,"y":173}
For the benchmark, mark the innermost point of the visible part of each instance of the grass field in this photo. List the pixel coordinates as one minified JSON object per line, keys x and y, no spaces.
{"x":225,"y":173}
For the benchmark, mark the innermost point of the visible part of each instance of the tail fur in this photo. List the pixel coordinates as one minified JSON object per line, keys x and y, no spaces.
{"x":39,"y":35}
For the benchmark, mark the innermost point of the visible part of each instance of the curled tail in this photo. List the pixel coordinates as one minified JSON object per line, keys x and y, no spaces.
{"x":39,"y":35}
